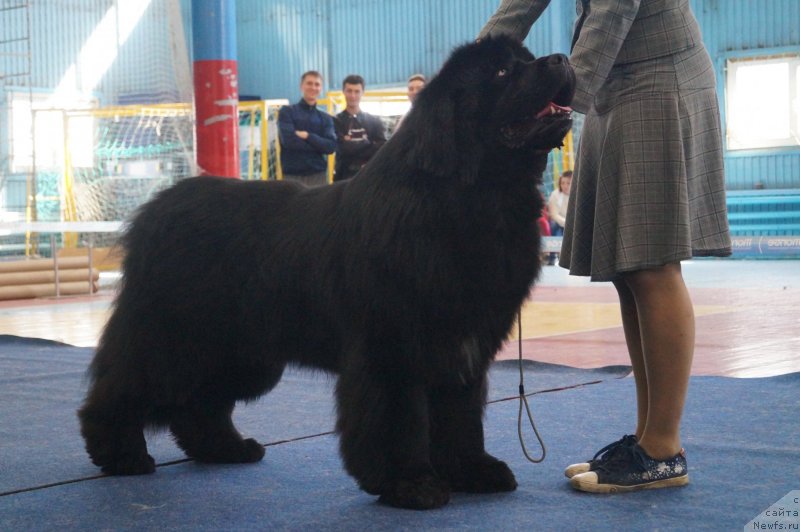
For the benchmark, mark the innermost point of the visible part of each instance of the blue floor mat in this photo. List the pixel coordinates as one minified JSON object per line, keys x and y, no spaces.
{"x":42,"y":384}
{"x":741,"y":437}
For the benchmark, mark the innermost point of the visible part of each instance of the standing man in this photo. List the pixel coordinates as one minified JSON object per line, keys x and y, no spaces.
{"x":415,"y":84}
{"x":307,"y":135}
{"x":359,"y":134}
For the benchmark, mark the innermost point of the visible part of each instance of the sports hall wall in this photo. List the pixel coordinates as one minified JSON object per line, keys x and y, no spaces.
{"x":384,"y":40}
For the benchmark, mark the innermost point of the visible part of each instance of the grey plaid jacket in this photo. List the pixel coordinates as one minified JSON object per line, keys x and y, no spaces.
{"x":625,"y":31}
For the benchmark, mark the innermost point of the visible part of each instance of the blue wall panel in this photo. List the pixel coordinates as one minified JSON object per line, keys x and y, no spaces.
{"x":385,"y":41}
{"x":143,"y":61}
{"x":277,"y":42}
{"x":747,"y":24}
{"x":146,"y":70}
{"x":731,"y":26}
{"x":58,"y":31}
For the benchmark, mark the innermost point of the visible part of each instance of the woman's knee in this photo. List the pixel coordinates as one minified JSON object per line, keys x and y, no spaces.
{"x":658,"y":278}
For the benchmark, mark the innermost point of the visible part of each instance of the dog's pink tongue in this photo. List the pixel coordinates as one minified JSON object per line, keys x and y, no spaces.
{"x":553,"y":108}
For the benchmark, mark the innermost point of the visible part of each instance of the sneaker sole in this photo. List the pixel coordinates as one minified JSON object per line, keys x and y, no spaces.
{"x":612,"y":488}
{"x":576,"y":469}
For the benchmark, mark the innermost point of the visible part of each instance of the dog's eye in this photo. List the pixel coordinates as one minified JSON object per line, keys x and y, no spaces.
{"x":502,"y":72}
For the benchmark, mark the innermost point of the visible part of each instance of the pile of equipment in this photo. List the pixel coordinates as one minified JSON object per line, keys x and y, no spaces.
{"x":24,"y":279}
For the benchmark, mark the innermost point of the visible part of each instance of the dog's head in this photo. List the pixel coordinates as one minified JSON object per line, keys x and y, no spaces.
{"x":491,"y":95}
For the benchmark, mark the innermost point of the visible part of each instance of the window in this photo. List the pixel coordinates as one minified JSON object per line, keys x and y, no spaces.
{"x":763,"y":102}
{"x":49,"y":132}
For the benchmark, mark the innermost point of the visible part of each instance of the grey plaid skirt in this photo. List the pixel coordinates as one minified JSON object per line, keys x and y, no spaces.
{"x":649,"y":185}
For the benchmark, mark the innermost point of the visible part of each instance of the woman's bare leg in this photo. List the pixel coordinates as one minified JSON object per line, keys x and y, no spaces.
{"x":633,"y":338}
{"x":665,"y":318}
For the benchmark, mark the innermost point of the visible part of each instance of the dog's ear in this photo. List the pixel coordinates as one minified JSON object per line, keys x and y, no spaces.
{"x":432,"y":120}
{"x":440,"y":137}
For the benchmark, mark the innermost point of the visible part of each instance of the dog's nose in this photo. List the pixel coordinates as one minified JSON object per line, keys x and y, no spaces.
{"x":557,"y":59}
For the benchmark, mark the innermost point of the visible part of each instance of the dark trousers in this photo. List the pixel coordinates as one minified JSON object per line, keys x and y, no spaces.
{"x":310,"y":180}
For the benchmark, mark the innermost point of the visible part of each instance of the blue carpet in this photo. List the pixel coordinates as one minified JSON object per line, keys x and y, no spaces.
{"x":42,"y":384}
{"x":741,"y":436}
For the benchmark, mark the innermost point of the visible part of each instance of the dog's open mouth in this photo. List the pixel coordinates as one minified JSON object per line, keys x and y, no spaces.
{"x":554,"y":109}
{"x":516,"y":133}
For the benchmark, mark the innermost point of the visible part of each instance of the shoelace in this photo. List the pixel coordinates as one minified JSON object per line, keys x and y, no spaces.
{"x":637,"y":458}
{"x":624,"y":441}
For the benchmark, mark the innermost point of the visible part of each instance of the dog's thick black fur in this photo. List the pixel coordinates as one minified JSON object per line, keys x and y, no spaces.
{"x":404,"y":280}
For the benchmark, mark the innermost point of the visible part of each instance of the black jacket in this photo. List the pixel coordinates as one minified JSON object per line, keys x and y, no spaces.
{"x":366,"y":134}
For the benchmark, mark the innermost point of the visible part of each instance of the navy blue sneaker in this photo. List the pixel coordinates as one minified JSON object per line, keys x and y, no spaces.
{"x":631,"y":470}
{"x":606,"y":453}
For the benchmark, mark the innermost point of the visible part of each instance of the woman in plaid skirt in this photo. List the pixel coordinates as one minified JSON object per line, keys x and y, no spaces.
{"x":648,"y":192}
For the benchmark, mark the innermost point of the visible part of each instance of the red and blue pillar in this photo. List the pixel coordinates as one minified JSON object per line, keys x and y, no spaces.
{"x":216,"y":91}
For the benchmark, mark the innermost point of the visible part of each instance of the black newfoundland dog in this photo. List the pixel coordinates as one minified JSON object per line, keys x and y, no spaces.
{"x":404,"y":281}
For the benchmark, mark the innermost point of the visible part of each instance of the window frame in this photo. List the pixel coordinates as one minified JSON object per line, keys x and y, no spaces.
{"x":790,"y":144}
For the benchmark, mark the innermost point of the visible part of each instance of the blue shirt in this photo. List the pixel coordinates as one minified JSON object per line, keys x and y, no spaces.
{"x":305,"y":156}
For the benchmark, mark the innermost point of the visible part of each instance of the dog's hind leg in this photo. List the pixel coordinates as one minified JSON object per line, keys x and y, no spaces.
{"x":205,"y":431}
{"x":457,"y":448}
{"x":112,"y":424}
{"x":384,"y":439}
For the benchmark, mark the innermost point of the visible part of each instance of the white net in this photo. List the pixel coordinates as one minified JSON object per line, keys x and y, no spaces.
{"x":119,"y":157}
{"x":134,"y":52}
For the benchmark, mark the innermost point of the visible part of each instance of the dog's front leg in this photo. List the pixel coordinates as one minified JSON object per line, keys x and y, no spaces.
{"x":385,"y":440}
{"x":457,"y":448}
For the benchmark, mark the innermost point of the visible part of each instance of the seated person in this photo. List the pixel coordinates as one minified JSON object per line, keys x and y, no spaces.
{"x":557,"y":204}
{"x":557,"y":208}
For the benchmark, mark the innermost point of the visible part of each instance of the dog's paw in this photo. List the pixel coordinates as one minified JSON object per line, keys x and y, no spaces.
{"x":484,"y":475}
{"x":139,"y":464}
{"x":422,"y":493}
{"x":253,"y":451}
